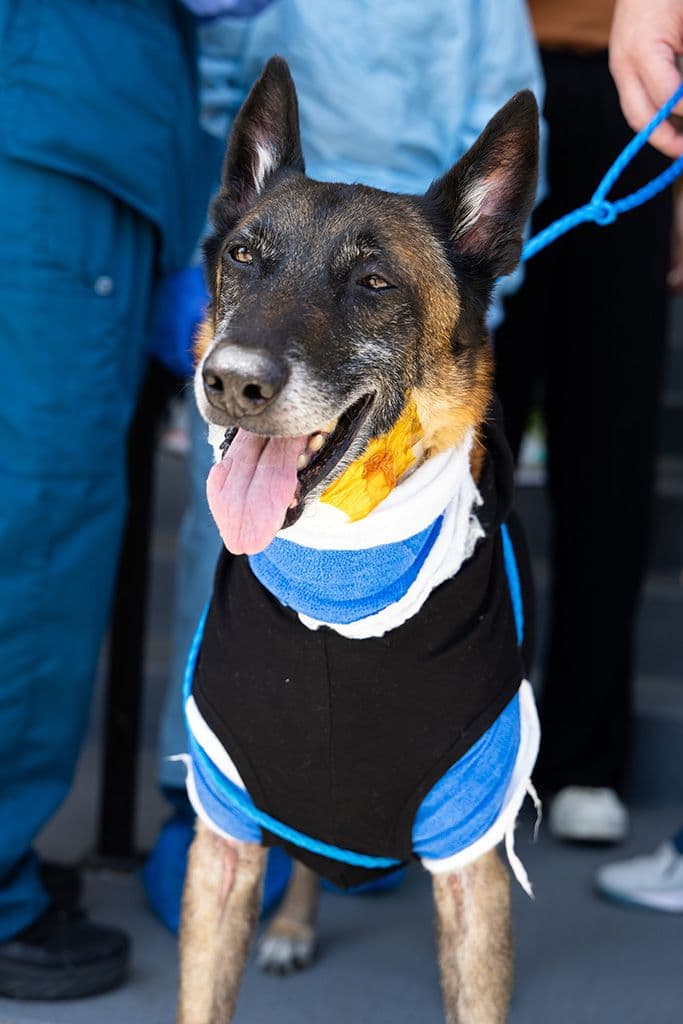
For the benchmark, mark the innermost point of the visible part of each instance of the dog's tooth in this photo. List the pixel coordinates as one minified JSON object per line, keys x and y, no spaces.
{"x":293,"y":503}
{"x":331,"y":426}
{"x":315,"y":442}
{"x":303,"y":460}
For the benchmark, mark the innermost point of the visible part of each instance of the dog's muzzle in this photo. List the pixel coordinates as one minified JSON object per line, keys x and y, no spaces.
{"x":242,"y":381}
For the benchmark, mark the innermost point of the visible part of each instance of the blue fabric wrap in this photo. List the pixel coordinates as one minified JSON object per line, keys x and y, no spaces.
{"x":342,"y":586}
{"x":457,"y":811}
{"x":212,"y":790}
{"x":466,"y":801}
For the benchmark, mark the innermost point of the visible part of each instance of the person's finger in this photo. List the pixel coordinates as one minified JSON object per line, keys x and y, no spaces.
{"x":639,"y":109}
{"x":667,"y":140}
{"x":660,"y":75}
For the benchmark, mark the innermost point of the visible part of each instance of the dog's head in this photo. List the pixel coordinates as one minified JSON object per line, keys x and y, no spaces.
{"x":334,"y":308}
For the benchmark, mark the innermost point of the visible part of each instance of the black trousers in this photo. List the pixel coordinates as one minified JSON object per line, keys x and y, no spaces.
{"x":586,"y":335}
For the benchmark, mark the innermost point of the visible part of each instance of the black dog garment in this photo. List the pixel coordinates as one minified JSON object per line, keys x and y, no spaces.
{"x":345,"y":741}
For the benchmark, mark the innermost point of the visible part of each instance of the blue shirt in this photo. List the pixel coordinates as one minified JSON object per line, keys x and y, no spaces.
{"x":389,"y":95}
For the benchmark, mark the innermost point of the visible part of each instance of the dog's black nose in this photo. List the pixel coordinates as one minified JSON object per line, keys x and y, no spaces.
{"x":242,"y":381}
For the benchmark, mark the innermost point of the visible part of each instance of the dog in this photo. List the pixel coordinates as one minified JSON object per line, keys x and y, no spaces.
{"x":357,"y":690}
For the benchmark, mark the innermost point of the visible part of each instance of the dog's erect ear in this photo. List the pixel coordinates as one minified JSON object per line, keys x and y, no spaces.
{"x":488,"y":195}
{"x":265,"y":137}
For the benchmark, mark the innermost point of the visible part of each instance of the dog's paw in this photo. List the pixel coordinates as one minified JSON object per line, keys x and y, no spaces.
{"x":286,"y":947}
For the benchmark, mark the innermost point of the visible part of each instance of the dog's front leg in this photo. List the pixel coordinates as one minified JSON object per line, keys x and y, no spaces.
{"x":221,"y":904}
{"x":475,"y":942}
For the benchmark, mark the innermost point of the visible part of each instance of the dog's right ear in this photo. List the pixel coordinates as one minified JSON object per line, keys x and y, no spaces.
{"x":265,"y":139}
{"x":486,"y":198}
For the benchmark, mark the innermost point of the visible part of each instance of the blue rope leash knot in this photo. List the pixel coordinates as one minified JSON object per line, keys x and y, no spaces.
{"x":601,"y":210}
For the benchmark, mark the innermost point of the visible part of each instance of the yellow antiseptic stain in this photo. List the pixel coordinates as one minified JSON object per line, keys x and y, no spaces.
{"x":373,"y":476}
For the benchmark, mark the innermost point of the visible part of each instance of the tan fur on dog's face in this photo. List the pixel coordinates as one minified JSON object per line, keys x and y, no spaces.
{"x":455,"y":390}
{"x":203,"y":338}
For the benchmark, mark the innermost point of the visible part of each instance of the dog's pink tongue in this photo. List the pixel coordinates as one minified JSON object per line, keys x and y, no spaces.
{"x":250,"y":491}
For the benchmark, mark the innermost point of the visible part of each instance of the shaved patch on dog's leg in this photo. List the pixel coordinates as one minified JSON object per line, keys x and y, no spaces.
{"x":221,"y":904}
{"x":289,"y":944}
{"x":475,"y":942}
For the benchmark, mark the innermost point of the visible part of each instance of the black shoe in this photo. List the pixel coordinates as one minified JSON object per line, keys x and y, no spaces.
{"x":63,"y":883}
{"x":62,"y":956}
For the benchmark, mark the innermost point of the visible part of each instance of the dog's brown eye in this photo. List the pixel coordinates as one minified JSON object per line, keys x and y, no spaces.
{"x":241,"y":254}
{"x":375,"y":283}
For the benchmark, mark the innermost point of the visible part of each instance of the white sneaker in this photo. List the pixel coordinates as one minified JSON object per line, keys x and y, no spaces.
{"x":588,"y":815}
{"x":654,"y":880}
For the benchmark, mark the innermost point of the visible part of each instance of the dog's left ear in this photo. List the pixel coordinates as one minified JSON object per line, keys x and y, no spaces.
{"x":488,"y":195}
{"x":265,"y":137}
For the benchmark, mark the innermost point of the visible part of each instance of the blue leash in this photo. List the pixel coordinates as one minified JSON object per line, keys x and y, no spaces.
{"x":601,"y":210}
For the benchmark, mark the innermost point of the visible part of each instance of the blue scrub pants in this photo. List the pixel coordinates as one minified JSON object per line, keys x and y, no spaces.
{"x":76,"y":276}
{"x":199,"y":544}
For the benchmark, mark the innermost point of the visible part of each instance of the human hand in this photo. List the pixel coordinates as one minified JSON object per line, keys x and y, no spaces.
{"x":179,"y":305}
{"x":645,"y":42}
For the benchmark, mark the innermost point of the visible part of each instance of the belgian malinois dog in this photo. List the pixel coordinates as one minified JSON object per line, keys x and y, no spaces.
{"x":345,"y":351}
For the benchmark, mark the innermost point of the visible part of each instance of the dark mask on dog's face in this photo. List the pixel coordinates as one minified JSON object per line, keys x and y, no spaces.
{"x":339,"y":309}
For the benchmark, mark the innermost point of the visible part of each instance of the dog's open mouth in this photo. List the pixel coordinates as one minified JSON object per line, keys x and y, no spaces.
{"x":268,"y":478}
{"x":324,"y":450}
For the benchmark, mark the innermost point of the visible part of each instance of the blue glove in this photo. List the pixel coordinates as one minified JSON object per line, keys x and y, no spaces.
{"x":179,"y":304}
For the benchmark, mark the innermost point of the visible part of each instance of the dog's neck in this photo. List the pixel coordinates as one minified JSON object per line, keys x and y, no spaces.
{"x":388,"y":462}
{"x":389,"y":513}
{"x":374,"y":474}
{"x":366,"y":576}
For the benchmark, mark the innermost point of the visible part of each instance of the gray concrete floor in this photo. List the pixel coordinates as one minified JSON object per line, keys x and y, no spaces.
{"x":579,"y":960}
